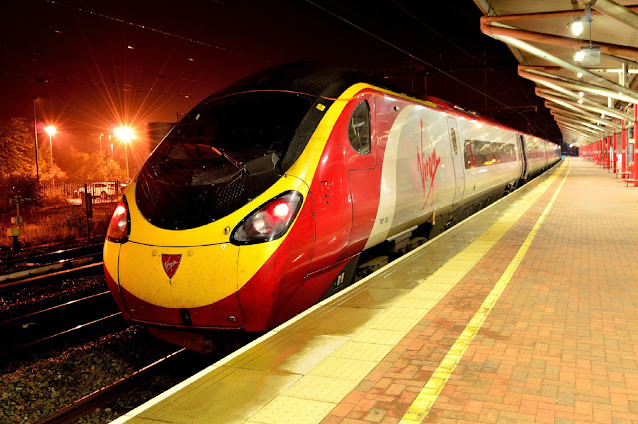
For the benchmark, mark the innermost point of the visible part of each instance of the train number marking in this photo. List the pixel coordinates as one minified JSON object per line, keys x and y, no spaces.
{"x":383,"y":220}
{"x":340,"y":278}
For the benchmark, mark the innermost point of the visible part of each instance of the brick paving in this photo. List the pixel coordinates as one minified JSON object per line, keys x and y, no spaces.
{"x":561,"y":344}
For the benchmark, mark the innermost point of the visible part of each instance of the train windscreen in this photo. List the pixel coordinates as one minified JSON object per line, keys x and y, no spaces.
{"x":223,"y":153}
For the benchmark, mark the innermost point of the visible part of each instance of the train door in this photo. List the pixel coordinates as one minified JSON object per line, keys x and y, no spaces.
{"x":362,"y":173}
{"x":457,"y":156}
{"x":521,"y":147}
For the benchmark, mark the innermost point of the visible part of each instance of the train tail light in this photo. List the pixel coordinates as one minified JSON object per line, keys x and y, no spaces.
{"x":120,"y":225}
{"x":270,"y":221}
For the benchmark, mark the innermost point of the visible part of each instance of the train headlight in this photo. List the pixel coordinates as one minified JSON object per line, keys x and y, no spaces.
{"x":261,"y":223}
{"x":120,"y":225}
{"x":270,"y":221}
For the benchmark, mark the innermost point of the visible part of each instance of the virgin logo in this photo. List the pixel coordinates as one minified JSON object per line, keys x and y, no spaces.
{"x":170,"y":263}
{"x":427,"y":165}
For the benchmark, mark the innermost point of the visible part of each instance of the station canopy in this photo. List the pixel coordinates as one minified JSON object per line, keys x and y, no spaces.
{"x":581,"y":54}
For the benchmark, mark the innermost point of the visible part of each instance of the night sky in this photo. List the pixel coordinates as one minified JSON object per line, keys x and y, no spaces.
{"x":94,"y":64}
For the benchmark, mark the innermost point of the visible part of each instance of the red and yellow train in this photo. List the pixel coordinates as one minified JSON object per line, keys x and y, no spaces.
{"x":260,"y":202}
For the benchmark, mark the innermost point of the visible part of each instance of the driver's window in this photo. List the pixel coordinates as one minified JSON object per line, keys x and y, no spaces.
{"x":359,"y":128}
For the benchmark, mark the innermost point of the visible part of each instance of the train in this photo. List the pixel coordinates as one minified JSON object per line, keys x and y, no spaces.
{"x":266,"y":196}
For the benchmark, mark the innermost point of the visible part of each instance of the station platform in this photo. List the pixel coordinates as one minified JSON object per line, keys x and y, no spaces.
{"x":525,"y":312}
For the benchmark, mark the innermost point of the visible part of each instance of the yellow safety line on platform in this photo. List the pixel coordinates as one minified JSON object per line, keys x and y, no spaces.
{"x":426,"y":398}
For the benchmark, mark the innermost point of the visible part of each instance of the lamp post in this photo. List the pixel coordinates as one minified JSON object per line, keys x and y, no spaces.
{"x":125,"y":134}
{"x":50,"y":129}
{"x":101,"y":158}
{"x":35,"y":129}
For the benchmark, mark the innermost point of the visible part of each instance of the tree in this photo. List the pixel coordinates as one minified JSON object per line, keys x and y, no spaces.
{"x":17,"y":161}
{"x":111,"y":170}
{"x":49,"y":172}
{"x":17,"y":154}
{"x":82,"y":167}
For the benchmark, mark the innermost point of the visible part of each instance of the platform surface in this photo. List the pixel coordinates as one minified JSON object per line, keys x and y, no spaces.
{"x":525,"y":312}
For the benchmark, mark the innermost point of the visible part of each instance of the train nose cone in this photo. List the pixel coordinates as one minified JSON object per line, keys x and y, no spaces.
{"x":162,"y":284}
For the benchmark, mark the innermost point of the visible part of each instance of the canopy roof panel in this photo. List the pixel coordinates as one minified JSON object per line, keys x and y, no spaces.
{"x":589,"y":97}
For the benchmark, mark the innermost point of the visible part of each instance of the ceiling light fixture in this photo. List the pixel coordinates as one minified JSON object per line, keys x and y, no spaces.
{"x":577,"y":25}
{"x":588,"y":55}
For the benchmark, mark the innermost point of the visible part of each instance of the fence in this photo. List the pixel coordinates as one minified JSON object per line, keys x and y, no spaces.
{"x":101,"y":192}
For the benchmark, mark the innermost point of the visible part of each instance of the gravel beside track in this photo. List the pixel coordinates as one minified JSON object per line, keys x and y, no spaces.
{"x":39,"y":388}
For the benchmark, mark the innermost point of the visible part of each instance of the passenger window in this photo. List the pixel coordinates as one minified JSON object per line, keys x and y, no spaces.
{"x":359,"y":128}
{"x":453,"y":138}
{"x":470,"y":160}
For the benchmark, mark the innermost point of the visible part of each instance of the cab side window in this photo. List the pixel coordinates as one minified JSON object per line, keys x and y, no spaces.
{"x":454,"y":144}
{"x":359,"y":128}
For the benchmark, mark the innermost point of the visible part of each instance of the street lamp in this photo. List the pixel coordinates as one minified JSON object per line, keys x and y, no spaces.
{"x":35,"y":127}
{"x":125,"y":134}
{"x":101,"y":157}
{"x":50,"y":129}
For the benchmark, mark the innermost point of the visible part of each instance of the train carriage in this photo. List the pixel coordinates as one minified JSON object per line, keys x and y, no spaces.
{"x":262,"y":199}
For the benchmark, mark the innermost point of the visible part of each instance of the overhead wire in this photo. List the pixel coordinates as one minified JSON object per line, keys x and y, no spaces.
{"x":416,"y":58}
{"x":92,"y":61}
{"x":84,"y":82}
{"x":140,"y":26}
{"x":435,"y":32}
{"x":384,"y":41}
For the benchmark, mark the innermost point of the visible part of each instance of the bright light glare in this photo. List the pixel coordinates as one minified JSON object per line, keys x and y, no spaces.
{"x":50,"y":130}
{"x":580,"y":55}
{"x":125,"y":134}
{"x":577,"y":27}
{"x":579,"y":75}
{"x":120,"y":210}
{"x":281,"y":210}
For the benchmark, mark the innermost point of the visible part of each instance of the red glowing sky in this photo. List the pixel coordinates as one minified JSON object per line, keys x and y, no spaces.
{"x":96,"y":64}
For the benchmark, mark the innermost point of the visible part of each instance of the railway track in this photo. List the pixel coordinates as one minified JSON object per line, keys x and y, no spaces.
{"x":24,"y":267}
{"x":95,"y":315}
{"x":177,"y":366}
{"x":174,"y":362}
{"x":50,"y":277}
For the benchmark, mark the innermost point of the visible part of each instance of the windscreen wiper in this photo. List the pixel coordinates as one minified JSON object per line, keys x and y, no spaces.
{"x":237,"y":164}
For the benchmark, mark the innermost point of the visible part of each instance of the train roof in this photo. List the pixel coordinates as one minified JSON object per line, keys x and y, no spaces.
{"x":329,"y":81}
{"x":316,"y":79}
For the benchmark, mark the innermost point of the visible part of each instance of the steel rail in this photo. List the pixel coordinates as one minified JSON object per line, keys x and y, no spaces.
{"x":90,"y":269}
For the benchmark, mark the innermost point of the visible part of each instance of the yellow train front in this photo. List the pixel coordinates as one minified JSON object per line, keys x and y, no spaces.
{"x":204,"y":237}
